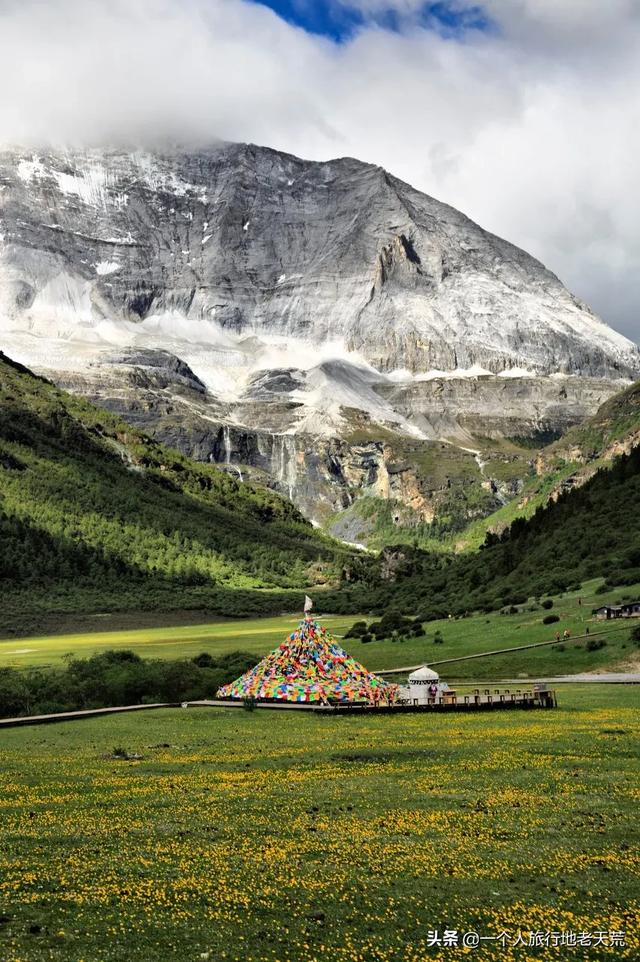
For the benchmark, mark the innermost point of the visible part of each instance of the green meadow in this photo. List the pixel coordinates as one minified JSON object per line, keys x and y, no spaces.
{"x":255,"y":635}
{"x":271,"y":836}
{"x":460,"y":636}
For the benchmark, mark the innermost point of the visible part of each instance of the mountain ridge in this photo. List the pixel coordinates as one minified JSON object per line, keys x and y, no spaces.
{"x":268,"y":313}
{"x":225,"y":234}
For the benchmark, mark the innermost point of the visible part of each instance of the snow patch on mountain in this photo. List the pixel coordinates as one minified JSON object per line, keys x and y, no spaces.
{"x":403,"y":376}
{"x":93,"y":183}
{"x":103,"y":268}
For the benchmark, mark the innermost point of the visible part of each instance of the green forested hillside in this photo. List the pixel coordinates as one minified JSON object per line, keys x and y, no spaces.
{"x":94,"y":514}
{"x":564,"y":464}
{"x":588,"y":532}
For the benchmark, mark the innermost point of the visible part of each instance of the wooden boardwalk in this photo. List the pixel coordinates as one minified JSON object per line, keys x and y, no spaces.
{"x":486,"y":699}
{"x":78,"y":715}
{"x":481,"y":700}
{"x":489,"y":701}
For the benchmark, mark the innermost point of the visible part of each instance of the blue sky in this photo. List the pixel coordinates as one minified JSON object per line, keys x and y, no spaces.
{"x":339,"y":21}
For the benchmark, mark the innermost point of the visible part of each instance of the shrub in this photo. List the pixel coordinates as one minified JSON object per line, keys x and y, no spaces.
{"x":392,"y":621}
{"x":366,"y":638}
{"x":550,"y":619}
{"x":635,"y":634}
{"x":357,"y":629}
{"x":547,"y":603}
{"x":594,"y":644}
{"x":204,"y":660}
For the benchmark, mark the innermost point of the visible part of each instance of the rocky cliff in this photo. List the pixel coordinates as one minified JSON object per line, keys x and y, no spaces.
{"x":458,"y":446}
{"x":243,"y":240}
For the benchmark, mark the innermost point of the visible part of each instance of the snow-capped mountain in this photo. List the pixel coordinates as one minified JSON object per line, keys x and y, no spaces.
{"x":247,"y":289}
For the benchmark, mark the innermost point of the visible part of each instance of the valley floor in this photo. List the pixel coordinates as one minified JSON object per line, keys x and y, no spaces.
{"x":459,"y":637}
{"x":255,"y":837}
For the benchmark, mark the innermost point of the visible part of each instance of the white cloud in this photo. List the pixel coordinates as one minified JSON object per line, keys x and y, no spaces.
{"x":578,"y":18}
{"x":533,"y":128}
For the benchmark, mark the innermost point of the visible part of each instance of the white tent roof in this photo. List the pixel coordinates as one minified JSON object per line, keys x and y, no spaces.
{"x":424,"y":674}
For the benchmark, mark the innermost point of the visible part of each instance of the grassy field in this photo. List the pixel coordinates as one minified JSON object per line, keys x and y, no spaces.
{"x":257,"y":635}
{"x":263,"y":836}
{"x":460,"y":637}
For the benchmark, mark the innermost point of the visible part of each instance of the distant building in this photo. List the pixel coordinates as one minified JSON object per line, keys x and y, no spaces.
{"x":607,"y":611}
{"x":629,"y":610}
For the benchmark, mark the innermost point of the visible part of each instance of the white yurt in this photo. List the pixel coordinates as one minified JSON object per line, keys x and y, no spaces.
{"x":420,"y":683}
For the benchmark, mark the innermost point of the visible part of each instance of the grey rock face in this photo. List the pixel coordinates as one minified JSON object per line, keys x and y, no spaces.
{"x":325,"y":474}
{"x":156,"y":369}
{"x":323,"y":325}
{"x":260,"y":243}
{"x":494,"y":407}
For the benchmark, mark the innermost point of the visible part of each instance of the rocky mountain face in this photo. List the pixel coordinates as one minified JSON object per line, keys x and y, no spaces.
{"x":613,"y":430}
{"x":595,"y":443}
{"x":321,"y":326}
{"x":567,"y":464}
{"x":469,"y":457}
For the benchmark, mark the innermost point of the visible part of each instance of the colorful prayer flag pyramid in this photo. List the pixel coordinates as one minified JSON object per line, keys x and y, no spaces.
{"x":310,"y":666}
